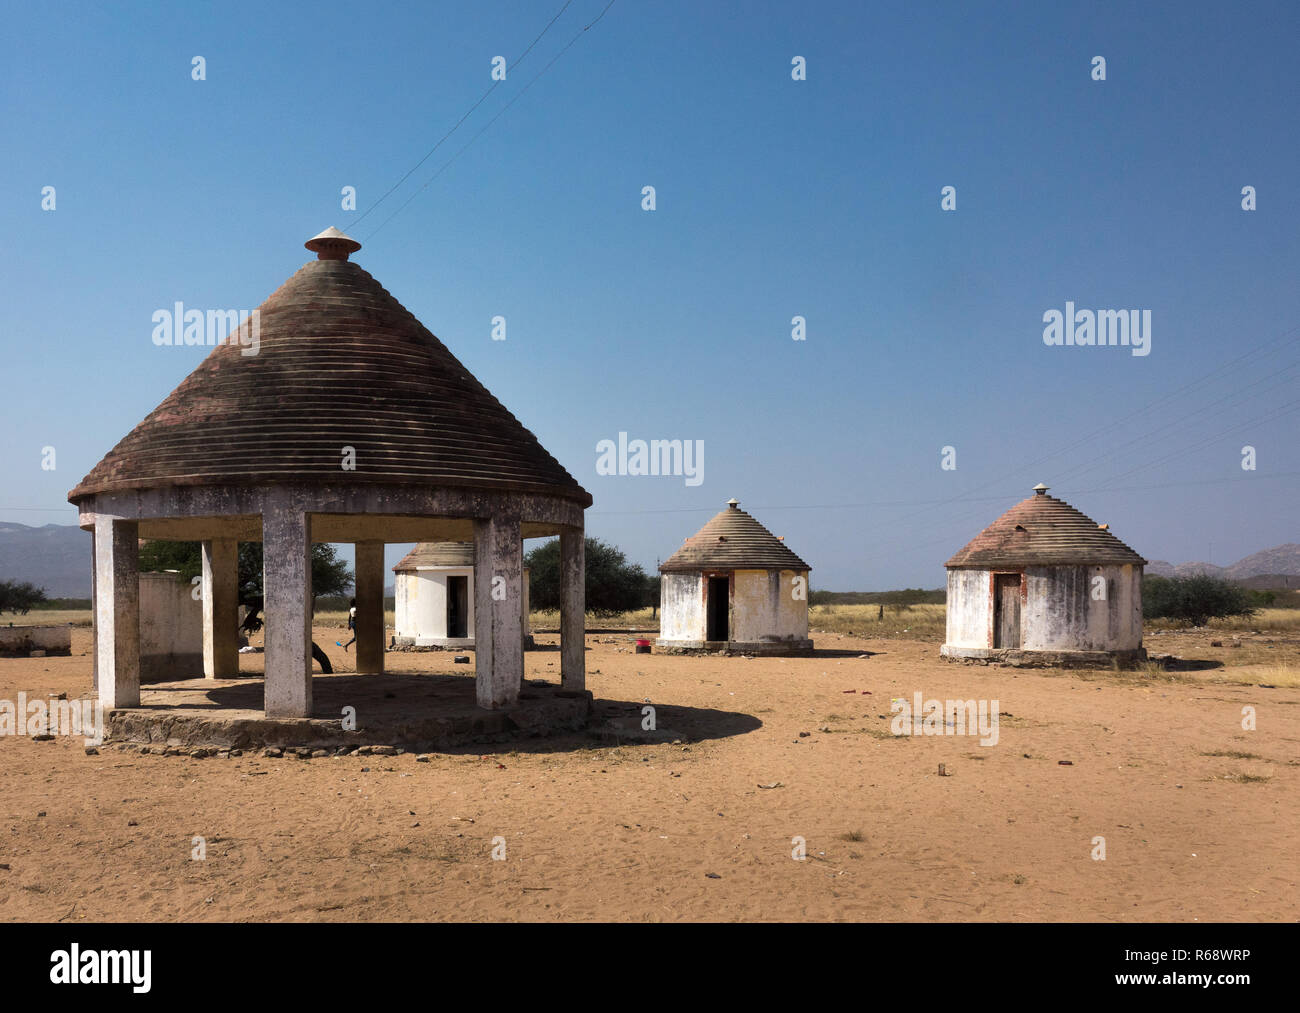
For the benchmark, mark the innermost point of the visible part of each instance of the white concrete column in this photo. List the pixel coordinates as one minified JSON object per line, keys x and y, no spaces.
{"x":573,"y":610}
{"x":221,"y":609}
{"x":523,"y":610}
{"x":498,"y":632}
{"x":286,"y":586}
{"x":370,"y":607}
{"x":117,"y":612}
{"x":94,"y":619}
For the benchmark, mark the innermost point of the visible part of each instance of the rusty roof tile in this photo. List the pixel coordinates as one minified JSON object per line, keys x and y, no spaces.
{"x":437,"y":554}
{"x":733,"y":540}
{"x":341,"y":363}
{"x":1042,"y":531}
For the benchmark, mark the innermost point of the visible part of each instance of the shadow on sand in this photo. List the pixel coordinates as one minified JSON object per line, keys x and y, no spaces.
{"x":425,"y":711}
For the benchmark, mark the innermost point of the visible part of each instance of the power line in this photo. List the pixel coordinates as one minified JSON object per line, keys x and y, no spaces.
{"x":964,"y":499}
{"x":1281,"y":338}
{"x":468,"y":113}
{"x":1145,"y":487}
{"x":1087,"y":465}
{"x":1284,"y":410}
{"x":489,"y":123}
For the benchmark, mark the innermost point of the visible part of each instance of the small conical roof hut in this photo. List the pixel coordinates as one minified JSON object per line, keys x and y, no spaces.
{"x":1045,"y":584}
{"x":734,"y":586}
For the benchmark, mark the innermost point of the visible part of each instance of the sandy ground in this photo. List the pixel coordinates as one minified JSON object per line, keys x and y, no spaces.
{"x":688,"y":831}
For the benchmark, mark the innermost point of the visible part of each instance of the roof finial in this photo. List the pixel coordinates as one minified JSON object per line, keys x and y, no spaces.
{"x":733,"y":503}
{"x":332,"y":245}
{"x":1040,"y":489}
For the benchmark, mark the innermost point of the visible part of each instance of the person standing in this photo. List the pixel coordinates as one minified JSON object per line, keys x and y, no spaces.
{"x":352,"y":625}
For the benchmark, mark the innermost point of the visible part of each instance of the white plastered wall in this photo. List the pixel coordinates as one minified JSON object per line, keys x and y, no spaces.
{"x":764,"y":607}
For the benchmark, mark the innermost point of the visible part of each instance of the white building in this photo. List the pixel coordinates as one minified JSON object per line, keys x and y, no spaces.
{"x":734,"y":586}
{"x":1043,"y":584}
{"x":434,"y":600}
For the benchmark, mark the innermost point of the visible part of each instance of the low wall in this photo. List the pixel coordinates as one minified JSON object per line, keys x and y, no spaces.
{"x":171,"y":629}
{"x":20,"y":641}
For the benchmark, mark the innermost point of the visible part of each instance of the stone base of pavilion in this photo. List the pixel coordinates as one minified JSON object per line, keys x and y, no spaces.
{"x":1022,"y":658}
{"x":416,"y":712}
{"x":782,"y":648}
{"x":445,"y":643}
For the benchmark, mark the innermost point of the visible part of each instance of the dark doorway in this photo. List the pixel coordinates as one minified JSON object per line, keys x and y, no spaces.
{"x":1006,"y":610}
{"x":457,"y":607}
{"x":719,"y":604}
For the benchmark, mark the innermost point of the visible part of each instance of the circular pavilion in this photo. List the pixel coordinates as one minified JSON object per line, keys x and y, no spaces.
{"x":431,"y":599}
{"x":734,"y":586}
{"x":331,"y":415}
{"x":1043,"y":584}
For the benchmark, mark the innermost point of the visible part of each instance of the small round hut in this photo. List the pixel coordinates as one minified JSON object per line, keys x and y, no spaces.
{"x":734,"y":586}
{"x":1044,"y":584}
{"x":434,"y":600}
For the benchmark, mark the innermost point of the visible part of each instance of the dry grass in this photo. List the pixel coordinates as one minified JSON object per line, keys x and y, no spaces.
{"x":50,"y":617}
{"x":1253,"y":662}
{"x":340,"y":619}
{"x":1281,"y":676}
{"x":645,"y":619}
{"x":1274,"y":676}
{"x":1268,"y":620}
{"x":907,"y":622}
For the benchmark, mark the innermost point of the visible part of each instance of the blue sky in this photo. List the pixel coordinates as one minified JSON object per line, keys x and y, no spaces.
{"x":775,"y":198}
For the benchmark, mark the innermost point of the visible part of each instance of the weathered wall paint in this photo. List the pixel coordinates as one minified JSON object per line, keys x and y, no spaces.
{"x":970,"y":613}
{"x":681,"y":606}
{"x":171,"y":629}
{"x":420,"y":604}
{"x":1059,"y":612}
{"x":22,"y":639}
{"x":763,"y":608}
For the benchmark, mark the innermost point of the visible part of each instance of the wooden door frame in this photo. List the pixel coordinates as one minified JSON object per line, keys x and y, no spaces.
{"x":993,"y":604}
{"x":729,"y":577}
{"x":464,"y":609}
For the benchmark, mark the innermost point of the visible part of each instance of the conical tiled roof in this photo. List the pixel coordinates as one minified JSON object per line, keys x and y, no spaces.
{"x":733,"y":540}
{"x":1043,"y":531}
{"x":341,"y":364}
{"x":437,"y":554}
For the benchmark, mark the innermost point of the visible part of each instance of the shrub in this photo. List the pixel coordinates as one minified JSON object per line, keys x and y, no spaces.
{"x":1195,"y":600}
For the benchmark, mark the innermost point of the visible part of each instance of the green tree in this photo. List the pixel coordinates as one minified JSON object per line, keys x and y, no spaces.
{"x":183,"y":557}
{"x":329,"y":574}
{"x":653,"y":590}
{"x":20,"y":596}
{"x":1195,"y":600}
{"x":613,"y":585}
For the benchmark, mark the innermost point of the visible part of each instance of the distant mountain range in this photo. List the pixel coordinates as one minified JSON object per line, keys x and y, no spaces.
{"x":53,"y":556}
{"x":1282,"y":561}
{"x":57,"y":558}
